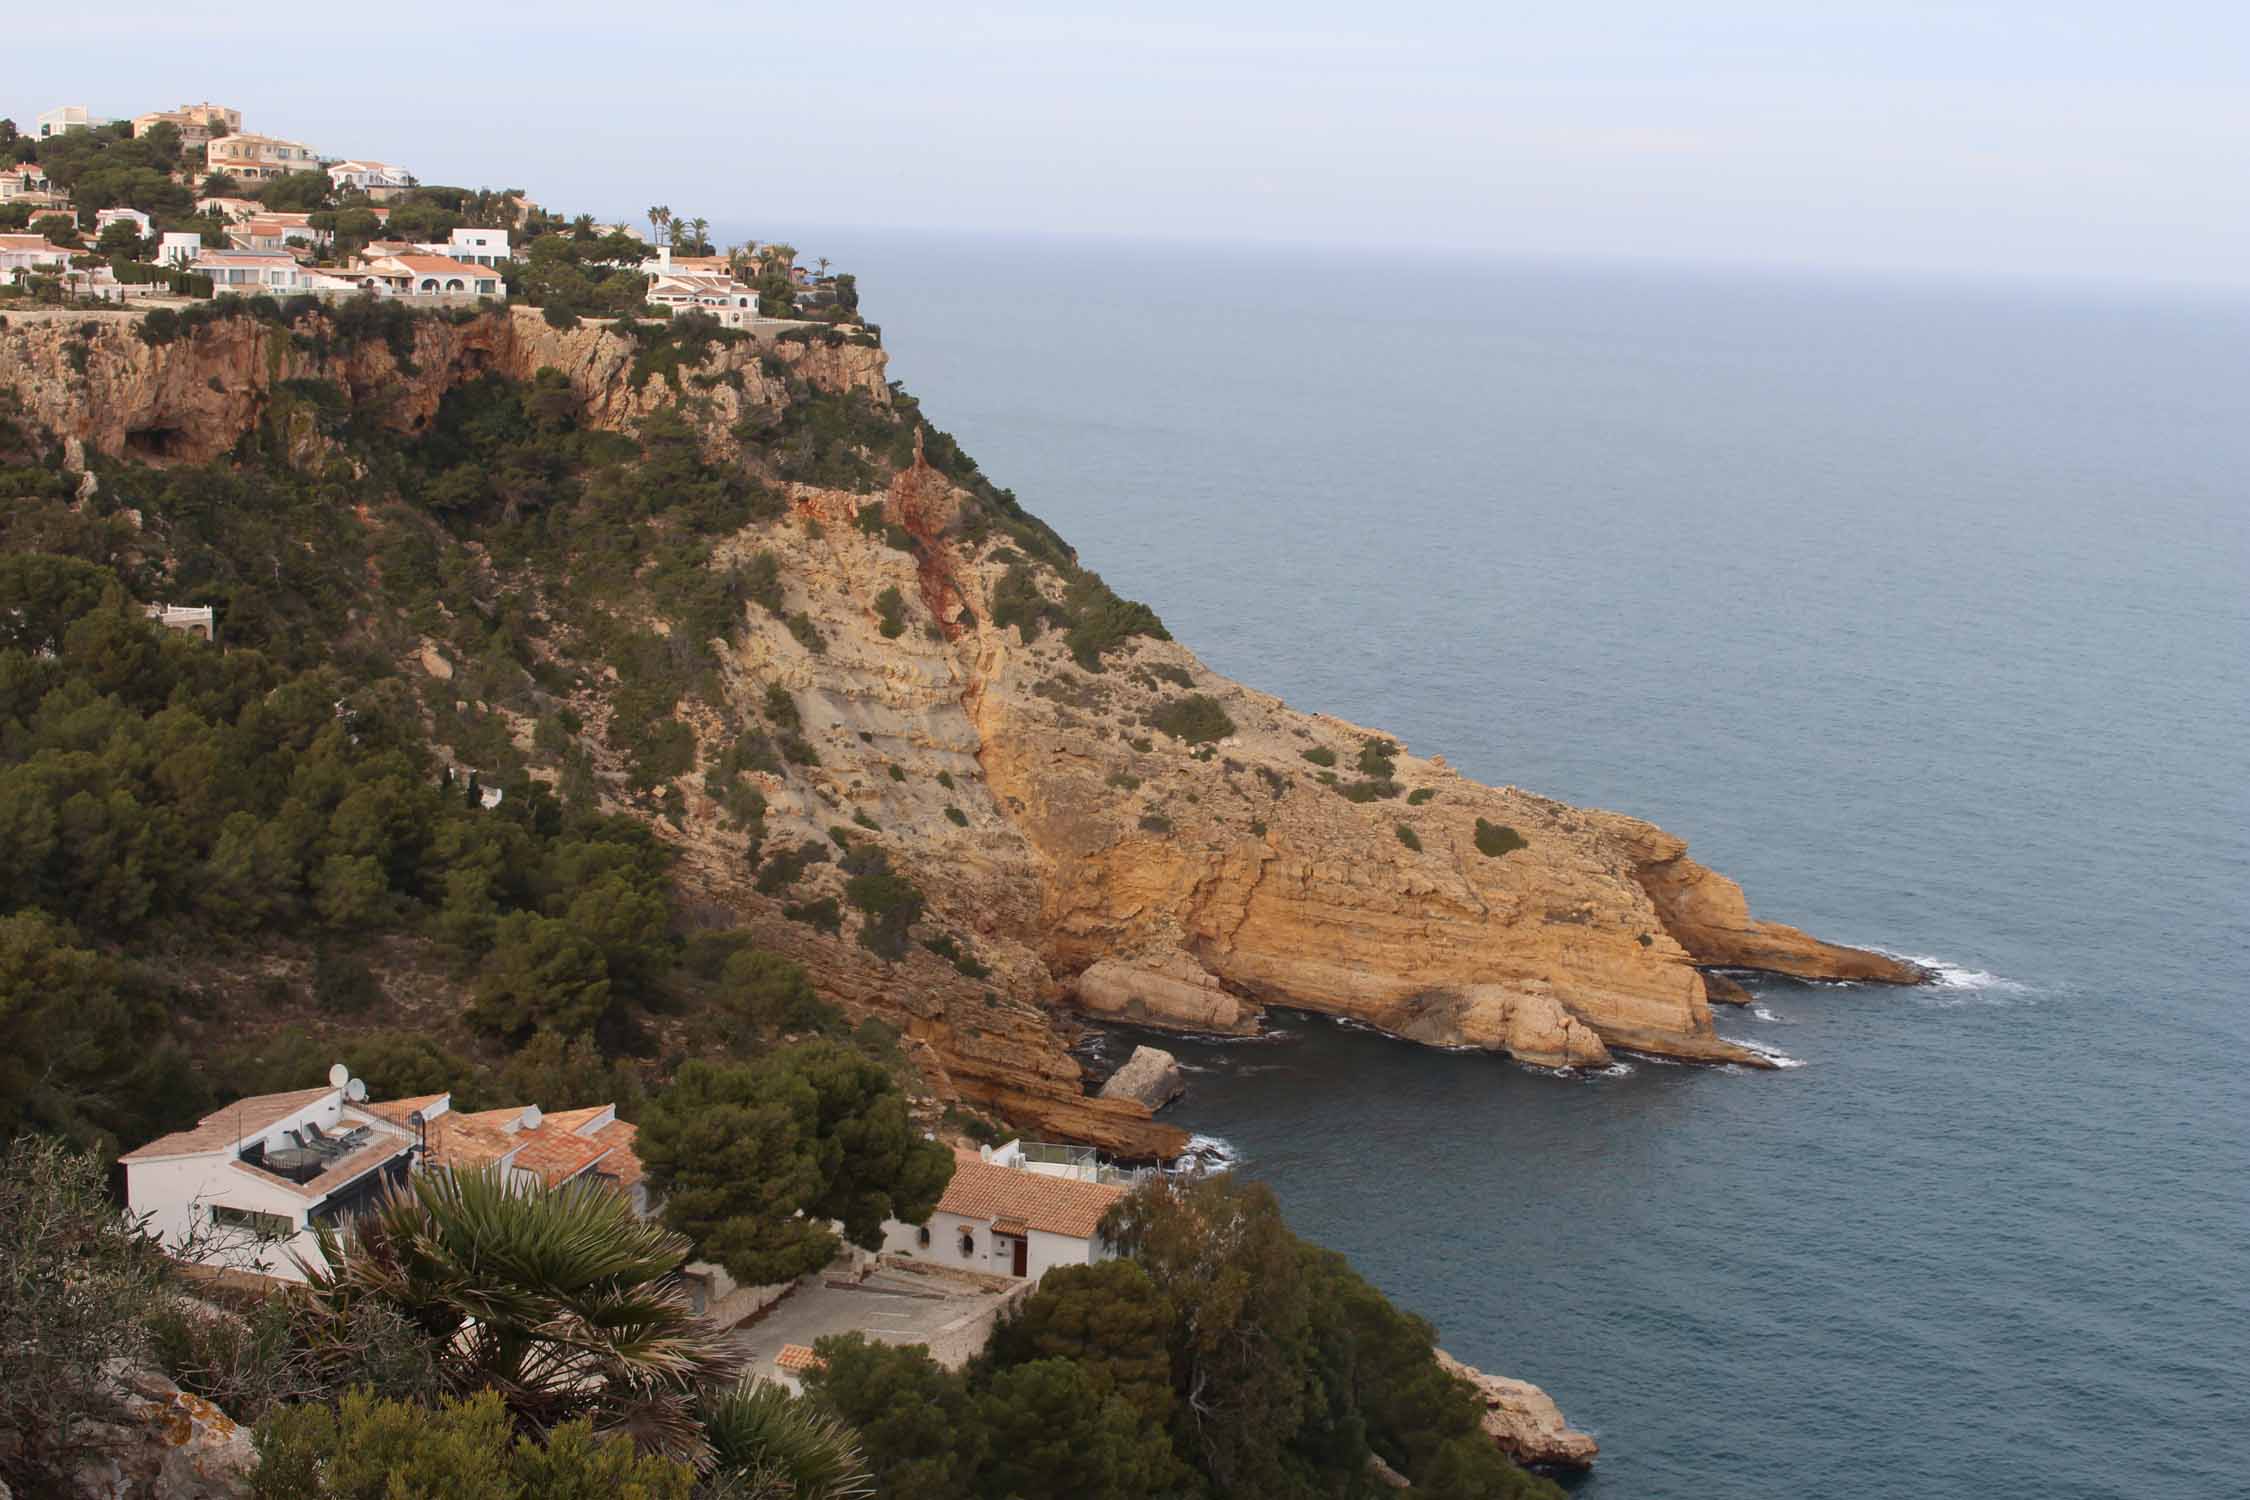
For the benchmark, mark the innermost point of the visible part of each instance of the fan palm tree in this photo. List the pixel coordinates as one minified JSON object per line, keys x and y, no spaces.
{"x":561,"y":1299}
{"x":765,"y":1442}
{"x":697,"y":229}
{"x":658,"y":217}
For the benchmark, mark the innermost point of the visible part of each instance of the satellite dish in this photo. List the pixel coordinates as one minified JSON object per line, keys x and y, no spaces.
{"x":356,"y":1090}
{"x":531,"y":1117}
{"x":338,"y":1076}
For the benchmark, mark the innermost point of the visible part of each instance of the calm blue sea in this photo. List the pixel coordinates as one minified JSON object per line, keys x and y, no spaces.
{"x":1921,"y":610}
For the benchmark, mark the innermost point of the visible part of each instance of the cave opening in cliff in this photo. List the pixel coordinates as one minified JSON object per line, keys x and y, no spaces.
{"x":156,"y":442}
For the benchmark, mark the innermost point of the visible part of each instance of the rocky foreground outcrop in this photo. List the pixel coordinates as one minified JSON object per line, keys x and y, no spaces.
{"x":1524,"y":1419}
{"x":1088,"y":858}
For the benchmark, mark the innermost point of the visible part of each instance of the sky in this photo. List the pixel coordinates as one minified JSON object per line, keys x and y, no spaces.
{"x":2063,"y":139}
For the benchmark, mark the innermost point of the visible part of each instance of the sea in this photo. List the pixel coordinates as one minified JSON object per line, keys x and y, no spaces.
{"x":1921,"y":608}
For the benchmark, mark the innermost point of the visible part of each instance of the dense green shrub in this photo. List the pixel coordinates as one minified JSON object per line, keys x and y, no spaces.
{"x":1420,"y":795}
{"x":1319,"y":755}
{"x":1496,"y":839}
{"x":890,"y":609}
{"x":1409,"y":838}
{"x":1377,"y":760}
{"x":956,"y":817}
{"x":1196,"y":718}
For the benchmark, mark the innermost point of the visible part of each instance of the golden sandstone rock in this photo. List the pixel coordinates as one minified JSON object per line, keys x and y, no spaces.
{"x":1084,"y":856}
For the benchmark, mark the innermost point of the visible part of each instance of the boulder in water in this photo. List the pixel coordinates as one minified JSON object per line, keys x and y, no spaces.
{"x":1151,"y":1076}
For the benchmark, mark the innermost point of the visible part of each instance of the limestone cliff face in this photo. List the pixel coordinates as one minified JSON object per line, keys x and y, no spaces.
{"x":189,"y":400}
{"x":1087,"y":858}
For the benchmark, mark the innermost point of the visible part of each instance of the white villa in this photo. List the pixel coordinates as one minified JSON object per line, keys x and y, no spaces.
{"x":1015,"y":1211}
{"x":249,"y":272}
{"x":420,"y":275}
{"x":142,"y":224}
{"x":64,"y":119}
{"x":251,"y":1184}
{"x":378,"y":180}
{"x":25,"y":180}
{"x":20,"y":253}
{"x":257,"y":158}
{"x":724,"y":298}
{"x":179,"y":248}
{"x":472,"y":247}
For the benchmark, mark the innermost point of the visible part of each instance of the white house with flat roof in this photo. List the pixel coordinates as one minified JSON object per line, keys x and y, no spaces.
{"x":179,"y":248}
{"x":1004,"y":1215}
{"x":276,"y":273}
{"x":252,"y":1183}
{"x":64,"y":119}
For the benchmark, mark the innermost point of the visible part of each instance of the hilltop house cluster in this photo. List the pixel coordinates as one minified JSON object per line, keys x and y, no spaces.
{"x":250,"y":1186}
{"x":282,"y":254}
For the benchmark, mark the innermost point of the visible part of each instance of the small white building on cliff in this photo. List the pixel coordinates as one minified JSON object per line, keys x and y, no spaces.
{"x":1006,"y":1215}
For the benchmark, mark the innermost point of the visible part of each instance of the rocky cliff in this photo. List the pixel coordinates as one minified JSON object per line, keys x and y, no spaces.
{"x":1123,"y":833}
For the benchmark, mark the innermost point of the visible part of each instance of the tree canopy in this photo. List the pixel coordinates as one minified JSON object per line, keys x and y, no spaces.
{"x":753,"y":1160}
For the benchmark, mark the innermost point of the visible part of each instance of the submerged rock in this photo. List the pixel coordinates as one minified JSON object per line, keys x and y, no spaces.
{"x":1524,"y":1419}
{"x":1151,"y":1075}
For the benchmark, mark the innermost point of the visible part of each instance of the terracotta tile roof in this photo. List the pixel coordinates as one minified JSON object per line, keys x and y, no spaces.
{"x":556,"y":1155}
{"x":466,"y":1142}
{"x":225,"y":1127}
{"x":798,"y":1357}
{"x":1057,"y":1205}
{"x":574,"y":1121}
{"x":396,"y":1110}
{"x":26,"y":242}
{"x":358,"y":1164}
{"x":623,"y":1162}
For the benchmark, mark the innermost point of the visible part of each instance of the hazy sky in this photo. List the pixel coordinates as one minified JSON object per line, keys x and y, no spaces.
{"x":2067,"y":137}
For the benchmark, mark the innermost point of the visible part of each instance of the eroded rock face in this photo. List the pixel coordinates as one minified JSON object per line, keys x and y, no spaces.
{"x":189,"y":400}
{"x":1524,"y":1419}
{"x":1151,"y":1076}
{"x":1081,"y":857}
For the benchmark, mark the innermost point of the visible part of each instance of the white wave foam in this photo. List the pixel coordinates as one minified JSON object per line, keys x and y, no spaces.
{"x":1763,"y":1014}
{"x":1774,"y":1055}
{"x":1952,"y":976}
{"x":1208,"y":1153}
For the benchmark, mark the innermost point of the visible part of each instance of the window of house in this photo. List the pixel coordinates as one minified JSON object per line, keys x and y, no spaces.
{"x":922,"y":1236}
{"x":968,"y":1244}
{"x":264,"y":1226}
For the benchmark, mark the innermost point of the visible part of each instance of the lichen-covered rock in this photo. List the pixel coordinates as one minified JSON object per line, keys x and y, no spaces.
{"x":1151,"y":1076}
{"x":1524,"y":1419}
{"x":168,"y":1445}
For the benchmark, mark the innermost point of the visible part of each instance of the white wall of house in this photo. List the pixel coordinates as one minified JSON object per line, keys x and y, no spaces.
{"x":179,"y":247}
{"x":993,"y":1254}
{"x":65,"y":118}
{"x":480,"y":247}
{"x":25,"y":252}
{"x":141,"y":222}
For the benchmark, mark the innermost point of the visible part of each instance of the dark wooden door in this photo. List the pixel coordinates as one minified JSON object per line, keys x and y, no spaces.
{"x":1023,"y":1255}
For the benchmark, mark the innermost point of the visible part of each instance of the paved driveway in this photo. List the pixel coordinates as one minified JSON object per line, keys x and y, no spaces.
{"x":894,"y":1308}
